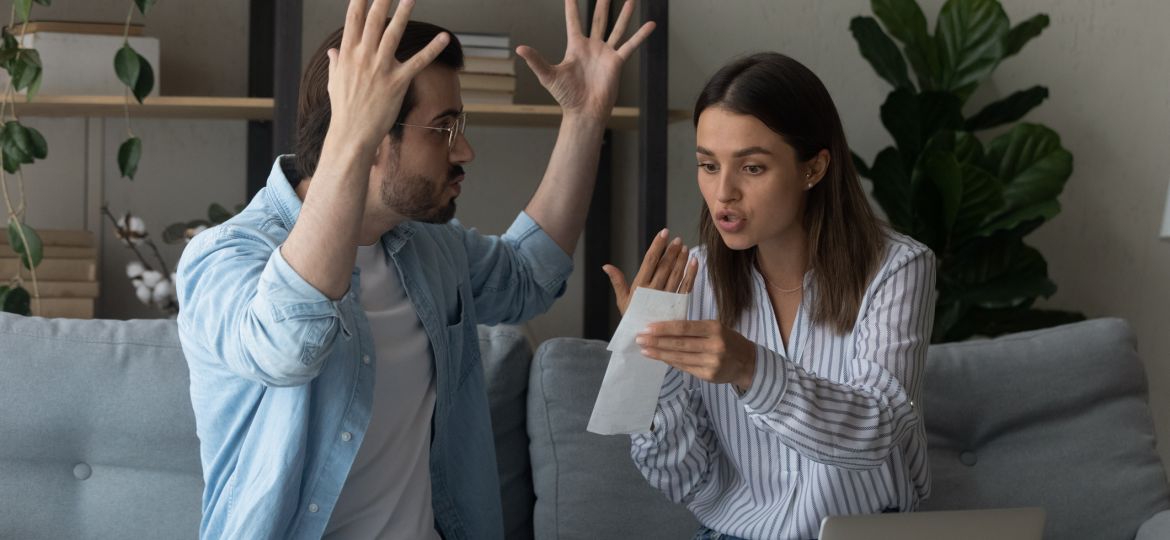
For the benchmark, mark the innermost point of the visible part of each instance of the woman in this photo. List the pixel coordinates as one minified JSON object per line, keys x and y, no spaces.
{"x":792,"y":385}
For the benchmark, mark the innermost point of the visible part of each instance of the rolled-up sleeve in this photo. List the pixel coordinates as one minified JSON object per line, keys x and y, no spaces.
{"x":243,"y":306}
{"x":517,"y":276}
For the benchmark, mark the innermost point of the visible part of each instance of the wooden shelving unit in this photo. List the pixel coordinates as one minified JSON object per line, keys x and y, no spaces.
{"x":153,"y":107}
{"x":261,"y":109}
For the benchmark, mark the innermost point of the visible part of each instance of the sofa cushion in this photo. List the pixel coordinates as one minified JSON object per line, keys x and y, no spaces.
{"x":98,"y":432}
{"x":586,"y":484}
{"x":506,"y":357}
{"x":1055,"y":418}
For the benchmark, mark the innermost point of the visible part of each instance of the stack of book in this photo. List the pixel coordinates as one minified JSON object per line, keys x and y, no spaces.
{"x":66,"y":277}
{"x":489,"y":70}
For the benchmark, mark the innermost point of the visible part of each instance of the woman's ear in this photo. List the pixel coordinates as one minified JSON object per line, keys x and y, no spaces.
{"x":816,"y":168}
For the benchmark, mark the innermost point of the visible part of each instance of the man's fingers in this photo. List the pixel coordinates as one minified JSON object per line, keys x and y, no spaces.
{"x":630,"y":46}
{"x":572,"y":19}
{"x":376,"y":22}
{"x":355,"y":16}
{"x":600,"y":18}
{"x":423,"y":58}
{"x":650,"y":260}
{"x":619,"y":27}
{"x":539,"y":66}
{"x":392,"y":33}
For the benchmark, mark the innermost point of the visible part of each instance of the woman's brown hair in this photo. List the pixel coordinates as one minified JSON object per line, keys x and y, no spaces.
{"x":845,"y":238}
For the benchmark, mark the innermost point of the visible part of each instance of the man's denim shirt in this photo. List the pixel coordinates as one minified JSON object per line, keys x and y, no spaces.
{"x":282,"y":377}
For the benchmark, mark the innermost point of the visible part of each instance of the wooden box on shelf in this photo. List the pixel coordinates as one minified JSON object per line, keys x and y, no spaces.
{"x":66,"y":277}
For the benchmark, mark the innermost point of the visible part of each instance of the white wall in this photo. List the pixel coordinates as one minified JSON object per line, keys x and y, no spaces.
{"x":1104,"y":63}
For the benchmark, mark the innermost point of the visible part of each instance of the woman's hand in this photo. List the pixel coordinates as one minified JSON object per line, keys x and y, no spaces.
{"x":706,"y":349}
{"x":664,"y":268}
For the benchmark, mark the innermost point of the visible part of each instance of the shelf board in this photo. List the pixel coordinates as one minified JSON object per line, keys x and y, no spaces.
{"x":154,"y":107}
{"x":241,"y":108}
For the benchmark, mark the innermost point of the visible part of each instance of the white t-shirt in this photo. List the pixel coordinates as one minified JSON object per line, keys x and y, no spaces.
{"x":388,"y":491}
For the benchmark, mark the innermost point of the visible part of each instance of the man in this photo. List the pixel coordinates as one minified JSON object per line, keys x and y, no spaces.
{"x":330,"y":327}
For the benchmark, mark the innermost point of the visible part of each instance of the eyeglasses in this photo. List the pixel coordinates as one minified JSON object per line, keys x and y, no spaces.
{"x":453,"y":128}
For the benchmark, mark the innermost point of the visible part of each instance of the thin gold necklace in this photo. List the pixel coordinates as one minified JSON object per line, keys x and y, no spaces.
{"x":785,"y":291}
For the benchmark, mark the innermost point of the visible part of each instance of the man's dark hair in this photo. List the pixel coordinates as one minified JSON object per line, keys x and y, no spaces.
{"x":313,"y":108}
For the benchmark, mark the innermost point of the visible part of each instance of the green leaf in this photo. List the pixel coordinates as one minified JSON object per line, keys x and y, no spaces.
{"x":1002,"y":273}
{"x":1034,"y":167}
{"x":912,"y":119}
{"x":970,"y":37}
{"x":32,"y":253}
{"x":144,"y":5}
{"x":1022,"y":33}
{"x":17,"y":136}
{"x":15,"y":146}
{"x":25,"y":70}
{"x":9,"y":40}
{"x":858,"y":165}
{"x":905,"y":21}
{"x":45,"y":3}
{"x":902,"y":18}
{"x":1008,"y":109}
{"x":15,"y":300}
{"x":128,"y":155}
{"x":942,"y":169}
{"x":40,"y":148}
{"x":891,"y":189}
{"x":982,"y":195}
{"x":880,"y":51}
{"x":145,"y":79}
{"x":968,"y":149}
{"x":218,"y":214}
{"x":127,"y":66}
{"x":174,"y":233}
{"x":23,"y":7}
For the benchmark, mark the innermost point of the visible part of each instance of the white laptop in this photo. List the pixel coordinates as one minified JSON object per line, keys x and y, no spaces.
{"x":1000,"y":524}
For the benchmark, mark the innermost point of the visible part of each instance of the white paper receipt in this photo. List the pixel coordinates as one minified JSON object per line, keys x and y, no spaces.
{"x":629,"y":391}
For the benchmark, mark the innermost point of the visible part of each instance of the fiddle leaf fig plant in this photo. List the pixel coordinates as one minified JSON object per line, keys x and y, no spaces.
{"x":971,"y":198}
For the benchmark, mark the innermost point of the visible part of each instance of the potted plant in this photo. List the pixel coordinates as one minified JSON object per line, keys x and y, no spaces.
{"x":971,"y":200}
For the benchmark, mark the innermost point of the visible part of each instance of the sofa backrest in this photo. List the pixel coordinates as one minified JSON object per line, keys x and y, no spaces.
{"x":1056,"y":418}
{"x":586,"y":485}
{"x":98,"y":435}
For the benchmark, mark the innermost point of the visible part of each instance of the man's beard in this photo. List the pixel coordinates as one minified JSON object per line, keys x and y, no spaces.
{"x":414,"y":197}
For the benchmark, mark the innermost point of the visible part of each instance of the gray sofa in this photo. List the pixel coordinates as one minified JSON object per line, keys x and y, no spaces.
{"x":97,"y":438}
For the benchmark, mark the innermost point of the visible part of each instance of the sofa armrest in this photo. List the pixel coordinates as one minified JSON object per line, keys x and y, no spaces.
{"x":1156,"y":527}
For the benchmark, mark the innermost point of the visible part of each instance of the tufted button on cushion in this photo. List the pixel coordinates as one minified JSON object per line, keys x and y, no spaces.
{"x":82,"y":471}
{"x":968,"y":458}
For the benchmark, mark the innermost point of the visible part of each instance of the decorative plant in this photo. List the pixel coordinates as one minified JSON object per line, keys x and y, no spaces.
{"x":22,"y":145}
{"x":971,"y":202}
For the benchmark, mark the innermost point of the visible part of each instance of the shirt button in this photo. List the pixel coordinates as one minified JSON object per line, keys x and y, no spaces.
{"x":366,"y":359}
{"x":346,"y":436}
{"x":313,"y":508}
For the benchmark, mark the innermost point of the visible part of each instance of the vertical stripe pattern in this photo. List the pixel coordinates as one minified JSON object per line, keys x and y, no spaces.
{"x":830,"y":425}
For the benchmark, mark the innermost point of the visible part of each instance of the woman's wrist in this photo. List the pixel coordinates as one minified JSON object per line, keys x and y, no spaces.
{"x":747,"y":373}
